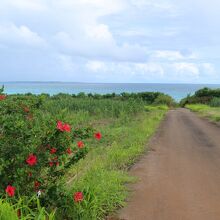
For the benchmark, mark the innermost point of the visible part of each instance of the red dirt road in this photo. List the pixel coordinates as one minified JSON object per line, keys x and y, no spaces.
{"x":180,"y":178}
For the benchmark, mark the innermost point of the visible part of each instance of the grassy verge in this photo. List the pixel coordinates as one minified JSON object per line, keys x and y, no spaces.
{"x":103,"y":174}
{"x":212,"y":113}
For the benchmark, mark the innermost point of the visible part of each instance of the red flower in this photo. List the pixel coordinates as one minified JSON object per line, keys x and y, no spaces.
{"x":31,"y":160}
{"x":60,"y":125}
{"x":63,"y":127}
{"x":69,"y":151}
{"x":10,"y":190}
{"x":36,"y":185}
{"x":80,"y":144}
{"x":2,"y":97}
{"x":67,"y":127}
{"x":53,"y":150}
{"x":57,"y":163}
{"x":51,"y":164}
{"x":98,"y":135}
{"x":78,"y":196}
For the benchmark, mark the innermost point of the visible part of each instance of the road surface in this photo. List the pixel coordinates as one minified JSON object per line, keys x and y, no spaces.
{"x":179,"y":179}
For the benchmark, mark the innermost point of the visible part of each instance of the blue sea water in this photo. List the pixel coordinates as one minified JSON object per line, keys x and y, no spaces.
{"x":177,"y":91}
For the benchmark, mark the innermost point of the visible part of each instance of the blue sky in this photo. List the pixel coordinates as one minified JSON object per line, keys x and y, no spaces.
{"x":170,"y":41}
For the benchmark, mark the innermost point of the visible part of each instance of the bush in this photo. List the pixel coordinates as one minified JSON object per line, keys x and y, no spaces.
{"x":36,"y":149}
{"x":164,"y":100}
{"x":215,"y":102}
{"x":202,"y":96}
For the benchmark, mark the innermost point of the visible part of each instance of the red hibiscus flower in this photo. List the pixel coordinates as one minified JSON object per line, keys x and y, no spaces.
{"x":51,"y":164}
{"x":80,"y":144}
{"x":67,"y":127}
{"x":98,"y":135}
{"x":69,"y":151}
{"x":60,"y":125}
{"x":63,"y":127}
{"x":2,"y":97}
{"x":10,"y":190}
{"x":36,"y":185}
{"x":31,"y":160}
{"x":53,"y":150}
{"x":78,"y":196}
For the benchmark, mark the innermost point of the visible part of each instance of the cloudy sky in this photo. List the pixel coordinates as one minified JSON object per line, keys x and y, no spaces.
{"x":110,"y":40}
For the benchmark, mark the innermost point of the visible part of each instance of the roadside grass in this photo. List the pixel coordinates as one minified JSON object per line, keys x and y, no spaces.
{"x":212,"y":113}
{"x":155,"y":107}
{"x":102,"y":175}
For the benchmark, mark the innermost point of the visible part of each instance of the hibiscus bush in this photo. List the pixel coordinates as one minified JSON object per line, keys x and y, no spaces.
{"x":42,"y":139}
{"x":36,"y":148}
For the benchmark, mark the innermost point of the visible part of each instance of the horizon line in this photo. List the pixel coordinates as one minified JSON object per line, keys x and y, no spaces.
{"x":65,"y":82}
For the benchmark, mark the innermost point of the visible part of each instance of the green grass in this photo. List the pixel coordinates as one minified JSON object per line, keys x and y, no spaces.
{"x":7,"y":212}
{"x":212,"y":113}
{"x":103,"y":174}
{"x":155,"y":107}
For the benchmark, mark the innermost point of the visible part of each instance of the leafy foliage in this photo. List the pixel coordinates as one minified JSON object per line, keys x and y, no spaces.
{"x":202,"y":96}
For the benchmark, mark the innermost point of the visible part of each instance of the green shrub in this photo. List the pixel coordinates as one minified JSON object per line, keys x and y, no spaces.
{"x":202,"y":96}
{"x":215,"y":102}
{"x":36,"y":149}
{"x":164,"y":100}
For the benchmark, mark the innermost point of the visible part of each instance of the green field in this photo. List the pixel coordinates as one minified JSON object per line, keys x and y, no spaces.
{"x":212,"y":113}
{"x":98,"y":170}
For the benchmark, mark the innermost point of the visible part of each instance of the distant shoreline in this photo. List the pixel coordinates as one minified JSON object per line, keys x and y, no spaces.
{"x":175,"y":90}
{"x":63,"y":82}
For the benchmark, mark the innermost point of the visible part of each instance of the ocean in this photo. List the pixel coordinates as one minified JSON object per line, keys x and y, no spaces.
{"x":177,"y":91}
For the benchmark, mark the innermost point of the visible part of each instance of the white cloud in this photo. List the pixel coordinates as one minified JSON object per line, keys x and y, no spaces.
{"x":186,"y":69}
{"x":22,"y":35}
{"x":208,"y":68}
{"x":171,"y":72}
{"x":22,"y":5}
{"x":132,"y":40}
{"x":95,"y":66}
{"x":161,"y":5}
{"x":172,"y":55}
{"x":152,"y":68}
{"x":125,"y":71}
{"x":66,"y":62}
{"x":99,"y":32}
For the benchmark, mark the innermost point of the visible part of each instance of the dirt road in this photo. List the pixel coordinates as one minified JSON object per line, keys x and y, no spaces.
{"x":180,"y":178}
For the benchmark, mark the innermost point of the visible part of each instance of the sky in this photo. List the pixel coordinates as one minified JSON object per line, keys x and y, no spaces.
{"x":147,"y":41}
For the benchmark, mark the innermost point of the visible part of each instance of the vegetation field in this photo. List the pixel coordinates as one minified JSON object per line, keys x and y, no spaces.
{"x":212,"y":113}
{"x":206,"y":102}
{"x":67,"y":156}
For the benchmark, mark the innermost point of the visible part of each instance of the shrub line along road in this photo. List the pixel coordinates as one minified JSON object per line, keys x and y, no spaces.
{"x":180,"y":178}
